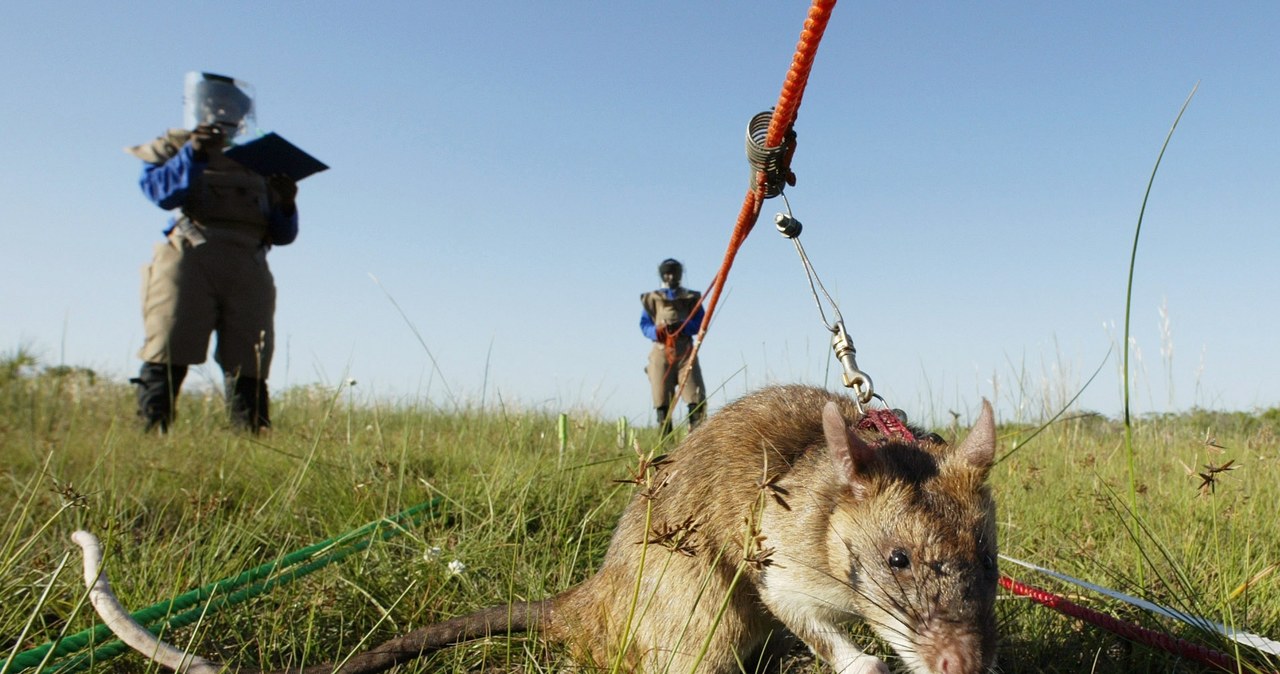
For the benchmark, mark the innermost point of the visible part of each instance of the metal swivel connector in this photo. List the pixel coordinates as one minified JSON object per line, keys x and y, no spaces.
{"x":787,"y":225}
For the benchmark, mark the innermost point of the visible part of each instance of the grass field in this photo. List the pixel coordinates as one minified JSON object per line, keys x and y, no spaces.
{"x":526,"y":508}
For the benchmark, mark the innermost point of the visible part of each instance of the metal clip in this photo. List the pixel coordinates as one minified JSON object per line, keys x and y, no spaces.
{"x":853,"y":377}
{"x":187,"y":232}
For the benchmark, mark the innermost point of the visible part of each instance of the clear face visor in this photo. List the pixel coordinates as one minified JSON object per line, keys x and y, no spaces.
{"x":214,"y":99}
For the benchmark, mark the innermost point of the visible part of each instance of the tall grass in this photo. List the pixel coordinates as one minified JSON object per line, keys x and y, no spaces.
{"x":527,"y":508}
{"x":1128,"y":313}
{"x":203,"y":503}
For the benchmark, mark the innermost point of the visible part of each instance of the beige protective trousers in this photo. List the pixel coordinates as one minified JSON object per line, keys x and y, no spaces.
{"x":222,"y":286}
{"x":664,"y":377}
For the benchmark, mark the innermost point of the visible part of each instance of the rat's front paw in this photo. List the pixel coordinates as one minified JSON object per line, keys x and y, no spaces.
{"x":865,"y":664}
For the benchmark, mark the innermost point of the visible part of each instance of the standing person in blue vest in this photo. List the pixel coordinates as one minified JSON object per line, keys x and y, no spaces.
{"x":210,"y":274}
{"x":671,"y":319}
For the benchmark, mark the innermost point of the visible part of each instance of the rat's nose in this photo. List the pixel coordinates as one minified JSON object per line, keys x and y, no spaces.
{"x":952,"y":663}
{"x":957,"y":655}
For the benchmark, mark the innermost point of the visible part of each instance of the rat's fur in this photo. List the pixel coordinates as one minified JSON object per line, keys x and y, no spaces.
{"x":775,"y":520}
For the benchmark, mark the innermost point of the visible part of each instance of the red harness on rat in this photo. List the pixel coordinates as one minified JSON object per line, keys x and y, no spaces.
{"x":887,"y":423}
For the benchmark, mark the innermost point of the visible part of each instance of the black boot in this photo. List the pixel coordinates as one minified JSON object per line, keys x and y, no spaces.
{"x":248,"y":404}
{"x":697,"y":412}
{"x":158,"y":385}
{"x":664,"y":421}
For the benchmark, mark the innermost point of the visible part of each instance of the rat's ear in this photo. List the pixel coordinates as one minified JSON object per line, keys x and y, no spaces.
{"x":851,"y":456}
{"x":979,"y":448}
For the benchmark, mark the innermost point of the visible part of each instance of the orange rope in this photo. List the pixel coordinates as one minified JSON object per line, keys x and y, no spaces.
{"x":784,"y":117}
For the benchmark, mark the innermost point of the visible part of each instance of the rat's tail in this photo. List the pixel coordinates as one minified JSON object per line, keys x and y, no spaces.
{"x":494,"y":621}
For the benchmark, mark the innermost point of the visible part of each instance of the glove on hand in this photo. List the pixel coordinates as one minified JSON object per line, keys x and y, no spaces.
{"x":207,"y":138}
{"x":283,"y":188}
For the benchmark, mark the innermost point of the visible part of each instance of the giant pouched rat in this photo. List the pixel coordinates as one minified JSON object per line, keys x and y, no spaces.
{"x":776,"y":519}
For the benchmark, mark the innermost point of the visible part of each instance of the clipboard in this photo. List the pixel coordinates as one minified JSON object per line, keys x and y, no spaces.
{"x":272,"y":154}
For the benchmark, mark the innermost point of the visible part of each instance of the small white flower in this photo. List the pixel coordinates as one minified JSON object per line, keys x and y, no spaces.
{"x":369,"y":427}
{"x":431,"y":554}
{"x":456,"y":567}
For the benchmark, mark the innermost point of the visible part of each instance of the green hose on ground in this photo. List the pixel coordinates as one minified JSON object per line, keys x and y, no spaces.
{"x":210,"y":598}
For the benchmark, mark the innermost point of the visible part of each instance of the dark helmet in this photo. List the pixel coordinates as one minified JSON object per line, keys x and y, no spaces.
{"x":670,"y":265}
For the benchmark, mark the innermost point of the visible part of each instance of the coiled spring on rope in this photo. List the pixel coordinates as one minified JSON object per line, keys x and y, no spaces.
{"x":773,"y":162}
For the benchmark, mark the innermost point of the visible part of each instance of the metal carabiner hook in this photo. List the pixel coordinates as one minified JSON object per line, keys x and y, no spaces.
{"x":854,"y":378}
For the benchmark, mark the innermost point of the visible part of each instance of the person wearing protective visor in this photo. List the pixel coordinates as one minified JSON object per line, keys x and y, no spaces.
{"x":218,"y":101}
{"x":210,"y":274}
{"x":671,"y":319}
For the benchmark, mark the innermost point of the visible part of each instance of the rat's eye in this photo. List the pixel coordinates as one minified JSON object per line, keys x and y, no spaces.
{"x":898,"y":559}
{"x":989,"y":564}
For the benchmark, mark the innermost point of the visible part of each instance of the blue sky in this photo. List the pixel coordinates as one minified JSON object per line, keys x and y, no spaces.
{"x":970,"y":175}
